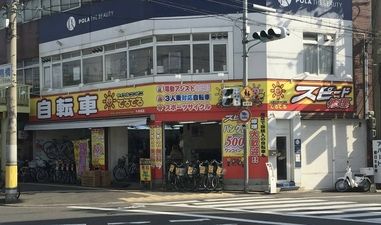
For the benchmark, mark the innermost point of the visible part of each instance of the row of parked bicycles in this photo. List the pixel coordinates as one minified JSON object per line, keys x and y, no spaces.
{"x":48,"y":171}
{"x":203,"y":176}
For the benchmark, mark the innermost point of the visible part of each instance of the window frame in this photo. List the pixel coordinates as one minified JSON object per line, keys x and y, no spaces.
{"x":320,"y":41}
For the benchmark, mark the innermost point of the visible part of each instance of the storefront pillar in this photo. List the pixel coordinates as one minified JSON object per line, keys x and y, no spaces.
{"x":296,"y":146}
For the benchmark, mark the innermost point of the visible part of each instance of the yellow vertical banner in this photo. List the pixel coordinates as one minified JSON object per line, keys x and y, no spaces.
{"x":156,"y":146}
{"x":232,"y":138}
{"x":263,"y":134}
{"x":81,"y":156}
{"x":98,"y":154}
{"x":145,"y":169}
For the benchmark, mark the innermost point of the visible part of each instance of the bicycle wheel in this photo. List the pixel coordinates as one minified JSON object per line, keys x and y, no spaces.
{"x":42,"y":176}
{"x":120,"y":173}
{"x":214,"y":183}
{"x":18,"y":192}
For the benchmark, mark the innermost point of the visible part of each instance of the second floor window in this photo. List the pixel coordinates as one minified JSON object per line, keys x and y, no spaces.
{"x":318,"y":53}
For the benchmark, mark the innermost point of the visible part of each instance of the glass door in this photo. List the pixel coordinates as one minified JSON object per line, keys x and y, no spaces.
{"x":282,"y":158}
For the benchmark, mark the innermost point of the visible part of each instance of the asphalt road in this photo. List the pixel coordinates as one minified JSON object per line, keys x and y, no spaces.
{"x":115,"y":207}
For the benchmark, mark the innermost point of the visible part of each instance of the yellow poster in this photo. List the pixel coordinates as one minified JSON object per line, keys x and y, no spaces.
{"x":232,"y":137}
{"x":81,"y":155}
{"x":145,"y":170}
{"x":98,"y":157}
{"x":156,"y":146}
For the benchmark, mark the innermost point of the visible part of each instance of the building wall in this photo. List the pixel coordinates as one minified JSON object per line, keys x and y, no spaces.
{"x":117,"y":145}
{"x":331,"y":143}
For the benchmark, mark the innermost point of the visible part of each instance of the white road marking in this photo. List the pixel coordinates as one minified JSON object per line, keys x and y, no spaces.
{"x":322,"y":207}
{"x":259,"y":204}
{"x":292,"y":206}
{"x":355,"y":215}
{"x":185,"y":214}
{"x":136,"y":222}
{"x":187,"y":221}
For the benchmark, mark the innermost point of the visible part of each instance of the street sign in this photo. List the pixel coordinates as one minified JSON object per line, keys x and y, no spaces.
{"x":244,"y":115}
{"x":247,"y":93}
{"x":247,"y":103}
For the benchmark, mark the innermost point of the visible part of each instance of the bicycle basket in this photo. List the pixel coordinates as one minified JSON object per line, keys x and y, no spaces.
{"x":172,"y":168}
{"x":202,"y":169}
{"x":220,"y":171}
{"x":180,"y":171}
{"x":211,"y":169}
{"x":190,"y":170}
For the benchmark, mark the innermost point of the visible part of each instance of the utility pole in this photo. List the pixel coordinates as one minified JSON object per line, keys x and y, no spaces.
{"x":245,"y":78}
{"x":11,"y":143}
{"x":244,"y":84}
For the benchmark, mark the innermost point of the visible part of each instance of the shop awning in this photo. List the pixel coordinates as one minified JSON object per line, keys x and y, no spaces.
{"x":88,"y":124}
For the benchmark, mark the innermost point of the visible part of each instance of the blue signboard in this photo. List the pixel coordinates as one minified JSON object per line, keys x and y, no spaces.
{"x":102,"y":15}
{"x":106,"y":14}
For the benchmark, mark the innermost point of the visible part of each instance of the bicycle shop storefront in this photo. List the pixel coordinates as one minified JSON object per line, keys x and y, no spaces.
{"x":79,"y":147}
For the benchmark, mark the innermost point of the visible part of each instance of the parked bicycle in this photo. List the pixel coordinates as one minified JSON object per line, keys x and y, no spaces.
{"x":122,"y":171}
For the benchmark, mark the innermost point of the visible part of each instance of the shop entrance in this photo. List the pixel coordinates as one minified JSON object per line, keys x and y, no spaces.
{"x":194,"y":140}
{"x":281,"y":159}
{"x":138,"y":147}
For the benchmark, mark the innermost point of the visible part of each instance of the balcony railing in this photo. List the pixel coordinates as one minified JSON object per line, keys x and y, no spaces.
{"x":23,"y":98}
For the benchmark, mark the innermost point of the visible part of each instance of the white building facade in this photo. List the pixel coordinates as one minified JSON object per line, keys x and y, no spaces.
{"x":112,"y":65}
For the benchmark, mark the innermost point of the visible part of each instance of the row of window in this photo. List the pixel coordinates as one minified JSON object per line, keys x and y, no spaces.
{"x":28,"y":73}
{"x":35,"y":9}
{"x":162,"y":54}
{"x":203,"y":53}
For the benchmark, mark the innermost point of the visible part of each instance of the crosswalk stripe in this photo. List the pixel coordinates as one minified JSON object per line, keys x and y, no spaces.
{"x":256,"y":202}
{"x":331,"y":206}
{"x":374,"y":220}
{"x":293,"y":205}
{"x":260,"y":204}
{"x":352,"y":215}
{"x":240,"y":198}
{"x":350,"y":210}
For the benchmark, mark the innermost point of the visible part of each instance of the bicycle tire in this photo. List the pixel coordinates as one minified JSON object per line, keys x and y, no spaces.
{"x":18,"y":192}
{"x":42,"y":176}
{"x":214,"y":183}
{"x":120,"y":173}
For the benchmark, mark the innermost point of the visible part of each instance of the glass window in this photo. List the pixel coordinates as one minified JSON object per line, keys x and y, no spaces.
{"x":318,"y":53}
{"x":173,"y":59}
{"x":57,"y":75}
{"x":116,"y":66}
{"x":55,"y":6}
{"x":310,"y":58}
{"x":201,"y":58}
{"x":166,"y":37}
{"x":68,"y":55}
{"x":140,"y":62}
{"x":93,"y":70}
{"x":90,"y":51}
{"x":201,"y":37}
{"x":326,"y":59}
{"x":219,"y":57}
{"x":47,"y":82}
{"x":46,"y":7}
{"x":20,"y":76}
{"x":71,"y":72}
{"x":31,"y":11}
{"x":69,"y":4}
{"x":146,"y":40}
{"x":181,"y":37}
{"x":32,"y":78}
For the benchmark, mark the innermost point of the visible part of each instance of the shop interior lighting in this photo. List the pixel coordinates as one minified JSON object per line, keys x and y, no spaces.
{"x":208,"y":122}
{"x":186,"y":122}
